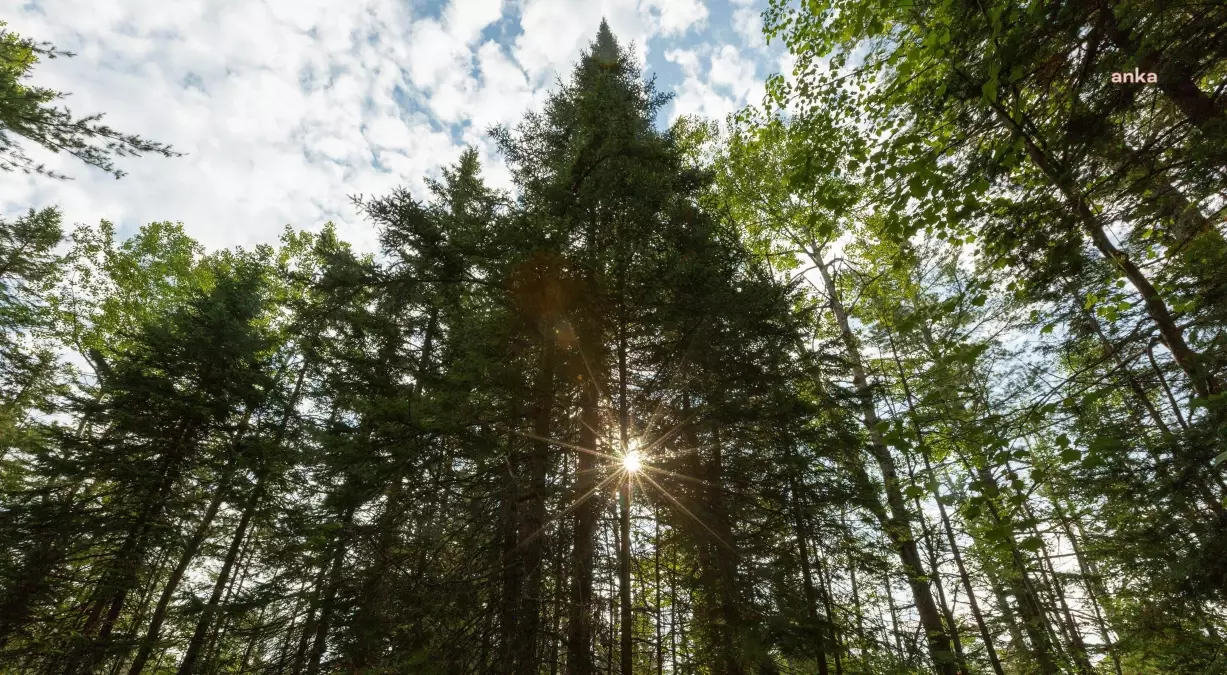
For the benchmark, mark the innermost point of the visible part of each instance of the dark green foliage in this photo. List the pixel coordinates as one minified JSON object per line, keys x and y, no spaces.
{"x":26,"y":111}
{"x":924,"y":377}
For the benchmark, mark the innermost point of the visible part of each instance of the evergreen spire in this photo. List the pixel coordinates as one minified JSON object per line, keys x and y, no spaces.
{"x":605,"y":51}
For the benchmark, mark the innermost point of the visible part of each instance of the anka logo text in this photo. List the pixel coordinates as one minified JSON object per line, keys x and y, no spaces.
{"x":1134,"y":77}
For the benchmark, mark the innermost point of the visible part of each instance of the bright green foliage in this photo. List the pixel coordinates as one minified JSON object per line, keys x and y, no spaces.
{"x":924,"y":362}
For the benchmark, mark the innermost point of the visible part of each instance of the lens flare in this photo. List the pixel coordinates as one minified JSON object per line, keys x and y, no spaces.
{"x":631,"y":461}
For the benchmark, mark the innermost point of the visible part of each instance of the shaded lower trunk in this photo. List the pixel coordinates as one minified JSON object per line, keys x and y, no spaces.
{"x":818,"y":627}
{"x":149,"y":642}
{"x":205,"y":622}
{"x":895,"y":519}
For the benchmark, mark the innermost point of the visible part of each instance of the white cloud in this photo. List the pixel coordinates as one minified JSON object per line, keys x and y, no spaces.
{"x":748,"y":22}
{"x":677,"y":16}
{"x":467,"y":18}
{"x":728,"y":83}
{"x":730,"y":70}
{"x":285,"y":107}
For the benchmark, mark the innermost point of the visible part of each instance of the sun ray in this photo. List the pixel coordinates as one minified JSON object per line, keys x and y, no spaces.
{"x":669,"y":434}
{"x":569,"y":509}
{"x":682,"y":476}
{"x":687,"y":511}
{"x":595,"y":382}
{"x":572,"y":446}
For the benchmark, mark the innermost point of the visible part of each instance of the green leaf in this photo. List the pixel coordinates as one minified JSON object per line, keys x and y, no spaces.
{"x":1219,"y":460}
{"x":990,"y":90}
{"x":1070,"y":455}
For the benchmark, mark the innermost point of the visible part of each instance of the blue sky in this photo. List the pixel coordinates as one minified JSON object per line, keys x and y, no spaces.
{"x":286,"y":107}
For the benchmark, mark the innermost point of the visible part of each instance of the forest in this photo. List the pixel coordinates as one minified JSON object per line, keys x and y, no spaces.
{"x":915,"y":367}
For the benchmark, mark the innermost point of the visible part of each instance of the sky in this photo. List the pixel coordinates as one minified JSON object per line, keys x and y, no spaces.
{"x":285,"y":108}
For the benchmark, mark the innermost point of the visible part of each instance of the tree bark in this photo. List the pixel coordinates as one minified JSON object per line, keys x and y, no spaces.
{"x":525,"y":655}
{"x":579,"y":625}
{"x":973,"y":603}
{"x":896,"y":524}
{"x":807,"y":579}
{"x":172,"y":584}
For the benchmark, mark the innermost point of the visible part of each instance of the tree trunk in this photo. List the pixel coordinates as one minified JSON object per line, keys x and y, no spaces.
{"x":973,"y":603}
{"x":624,"y":502}
{"x":1197,"y":106}
{"x":205,"y":622}
{"x":725,"y":561}
{"x":328,"y":602}
{"x":172,"y":584}
{"x":206,"y":617}
{"x":1191,"y":362}
{"x":525,"y":648}
{"x":580,"y":622}
{"x":313,"y":607}
{"x":119,"y":576}
{"x":897,"y":525}
{"x":832,"y":631}
{"x":1094,"y":588}
{"x":807,"y":579}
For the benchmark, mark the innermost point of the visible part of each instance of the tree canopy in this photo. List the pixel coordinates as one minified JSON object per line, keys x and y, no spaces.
{"x":916,"y":367}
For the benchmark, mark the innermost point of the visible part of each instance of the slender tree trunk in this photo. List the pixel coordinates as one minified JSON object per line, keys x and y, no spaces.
{"x":580,"y":623}
{"x":252,"y":641}
{"x":143,"y":607}
{"x":1094,"y":588}
{"x":927,"y":536}
{"x":119,"y":576}
{"x":313,"y":607}
{"x":284,"y":653}
{"x":624,"y":502}
{"x":1078,"y":647}
{"x":509,"y":601}
{"x":897,"y":524}
{"x":862,"y":641}
{"x":894,"y":618}
{"x":205,"y":622}
{"x":985,"y":636}
{"x":218,"y":634}
{"x":660,"y":646}
{"x":811,"y":595}
{"x":626,"y":625}
{"x":172,"y":584}
{"x":673,"y":625}
{"x":328,"y":601}
{"x":1191,"y":362}
{"x":532,"y":507}
{"x":828,"y":605}
{"x":725,"y":563}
